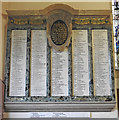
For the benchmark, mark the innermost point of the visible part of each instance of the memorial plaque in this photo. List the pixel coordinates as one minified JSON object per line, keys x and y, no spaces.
{"x":38,"y":62}
{"x":101,"y":63}
{"x":18,"y":63}
{"x":80,"y":63}
{"x":59,"y":71}
{"x":59,"y":61}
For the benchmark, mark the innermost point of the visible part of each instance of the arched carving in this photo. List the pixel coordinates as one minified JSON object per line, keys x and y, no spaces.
{"x":59,"y":25}
{"x":55,"y":7}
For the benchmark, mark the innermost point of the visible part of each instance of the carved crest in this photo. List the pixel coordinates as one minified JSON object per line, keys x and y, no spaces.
{"x":59,"y":29}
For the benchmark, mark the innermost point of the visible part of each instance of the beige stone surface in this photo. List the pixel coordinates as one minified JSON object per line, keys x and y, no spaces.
{"x":0,"y":60}
{"x":42,"y":5}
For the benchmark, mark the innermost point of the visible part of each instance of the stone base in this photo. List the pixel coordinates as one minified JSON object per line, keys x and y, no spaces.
{"x":60,"y":107}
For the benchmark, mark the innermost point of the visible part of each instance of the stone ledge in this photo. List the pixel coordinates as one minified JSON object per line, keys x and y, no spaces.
{"x":40,"y":12}
{"x":60,"y":106}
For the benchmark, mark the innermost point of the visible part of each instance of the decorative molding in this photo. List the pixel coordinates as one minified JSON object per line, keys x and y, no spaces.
{"x":60,"y":106}
{"x":79,"y":20}
{"x":62,"y":7}
{"x":40,"y":12}
{"x":98,"y":20}
{"x":23,"y":21}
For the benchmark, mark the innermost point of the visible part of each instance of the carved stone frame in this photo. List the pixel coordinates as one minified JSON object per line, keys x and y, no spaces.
{"x":67,"y":19}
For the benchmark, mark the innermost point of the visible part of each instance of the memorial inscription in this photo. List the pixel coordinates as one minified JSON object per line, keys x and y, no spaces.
{"x":101,"y":63}
{"x":18,"y":63}
{"x":59,"y":80}
{"x":80,"y":63}
{"x":38,"y":62}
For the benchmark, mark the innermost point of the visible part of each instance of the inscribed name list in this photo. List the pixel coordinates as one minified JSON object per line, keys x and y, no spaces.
{"x":38,"y":62}
{"x":59,"y":79}
{"x":80,"y":63}
{"x":101,"y":62}
{"x":18,"y":63}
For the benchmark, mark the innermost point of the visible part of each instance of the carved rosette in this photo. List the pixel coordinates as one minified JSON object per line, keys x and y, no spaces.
{"x":59,"y":29}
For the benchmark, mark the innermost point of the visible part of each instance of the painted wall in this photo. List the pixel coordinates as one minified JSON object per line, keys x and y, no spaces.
{"x":42,"y":5}
{"x":76,"y":5}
